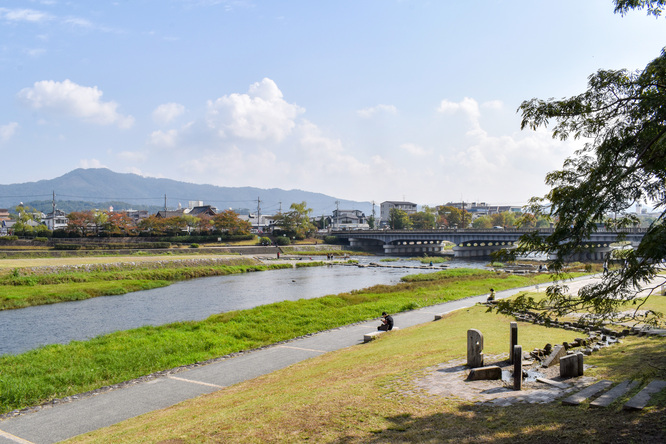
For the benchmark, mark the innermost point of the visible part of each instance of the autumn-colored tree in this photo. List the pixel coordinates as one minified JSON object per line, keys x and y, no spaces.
{"x":228,"y":221}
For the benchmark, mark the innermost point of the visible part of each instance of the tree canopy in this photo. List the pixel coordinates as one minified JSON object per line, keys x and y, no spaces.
{"x":622,"y":118}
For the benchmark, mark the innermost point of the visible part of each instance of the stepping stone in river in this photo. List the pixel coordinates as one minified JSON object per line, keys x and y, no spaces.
{"x":641,"y":399}
{"x":587,"y":392}
{"x":607,"y":398}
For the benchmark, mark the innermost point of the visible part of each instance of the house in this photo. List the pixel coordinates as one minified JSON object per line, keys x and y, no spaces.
{"x":169,"y":213}
{"x":386,"y":207}
{"x":4,"y":214}
{"x":55,"y":220}
{"x":201,"y":210}
{"x":348,"y":220}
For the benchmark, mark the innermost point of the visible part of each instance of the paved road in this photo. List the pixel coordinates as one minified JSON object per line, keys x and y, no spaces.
{"x":62,"y":421}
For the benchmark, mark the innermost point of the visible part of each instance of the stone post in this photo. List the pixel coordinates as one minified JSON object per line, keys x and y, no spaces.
{"x":474,"y":348}
{"x":518,"y":367}
{"x":513,"y":341}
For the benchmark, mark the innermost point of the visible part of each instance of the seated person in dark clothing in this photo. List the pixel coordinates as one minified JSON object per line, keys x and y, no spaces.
{"x":387,"y":322}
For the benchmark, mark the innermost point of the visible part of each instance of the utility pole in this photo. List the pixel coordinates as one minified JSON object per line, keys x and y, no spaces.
{"x":165,"y":206}
{"x":53,"y":206}
{"x":337,"y":214}
{"x":258,"y":212}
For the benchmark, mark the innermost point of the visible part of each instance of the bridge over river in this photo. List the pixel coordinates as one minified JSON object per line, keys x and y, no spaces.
{"x":471,"y":243}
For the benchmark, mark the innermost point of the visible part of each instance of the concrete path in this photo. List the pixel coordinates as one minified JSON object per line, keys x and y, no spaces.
{"x":62,"y":421}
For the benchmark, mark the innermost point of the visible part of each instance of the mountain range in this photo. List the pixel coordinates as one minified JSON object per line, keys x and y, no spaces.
{"x":101,"y":185}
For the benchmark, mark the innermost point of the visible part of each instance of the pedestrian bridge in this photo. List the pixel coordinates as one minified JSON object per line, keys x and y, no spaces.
{"x":471,"y":243}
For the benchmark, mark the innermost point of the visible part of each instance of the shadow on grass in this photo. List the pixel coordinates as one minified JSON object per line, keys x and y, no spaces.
{"x":535,"y":424}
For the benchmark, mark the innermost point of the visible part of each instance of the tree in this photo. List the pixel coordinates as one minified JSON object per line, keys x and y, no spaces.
{"x":296,"y":222}
{"x":80,"y":223}
{"x":622,"y":115}
{"x":482,"y":222}
{"x":451,"y":217}
{"x":229,"y":222}
{"x":120,"y":224}
{"x":423,"y":220}
{"x":399,"y":219}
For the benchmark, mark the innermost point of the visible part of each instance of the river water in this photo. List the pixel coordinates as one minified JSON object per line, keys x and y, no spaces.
{"x":28,"y":328}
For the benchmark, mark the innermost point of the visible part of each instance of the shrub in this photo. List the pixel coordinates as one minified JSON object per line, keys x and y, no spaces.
{"x":265,"y":240}
{"x":42,"y":239}
{"x":333,"y":240}
{"x":282,"y":240}
{"x":194,"y":245}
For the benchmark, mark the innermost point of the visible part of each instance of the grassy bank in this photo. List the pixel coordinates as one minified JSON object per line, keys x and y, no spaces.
{"x":60,"y":370}
{"x":368,"y":394}
{"x":27,"y":286}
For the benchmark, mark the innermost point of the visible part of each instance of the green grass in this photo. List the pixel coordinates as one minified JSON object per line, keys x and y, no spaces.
{"x":364,"y":394}
{"x":60,"y":370}
{"x":27,"y":287}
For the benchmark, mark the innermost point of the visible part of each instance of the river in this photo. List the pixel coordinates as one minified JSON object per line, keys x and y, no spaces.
{"x":28,"y":328}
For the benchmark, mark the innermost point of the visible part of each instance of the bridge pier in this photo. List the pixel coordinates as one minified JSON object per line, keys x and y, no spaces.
{"x":417,"y":248}
{"x":480,"y":250}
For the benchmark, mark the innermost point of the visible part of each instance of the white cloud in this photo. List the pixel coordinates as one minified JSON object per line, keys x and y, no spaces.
{"x":164,"y":138}
{"x":167,"y":112}
{"x":367,"y":113}
{"x":24,"y":15}
{"x":90,"y":163}
{"x":75,"y":100}
{"x":8,"y":131}
{"x":261,"y":114}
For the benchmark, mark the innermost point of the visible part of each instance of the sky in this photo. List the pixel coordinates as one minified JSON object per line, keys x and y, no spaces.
{"x":366,"y":100}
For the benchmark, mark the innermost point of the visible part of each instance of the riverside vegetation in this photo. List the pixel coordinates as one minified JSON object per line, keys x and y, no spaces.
{"x":57,"y":371}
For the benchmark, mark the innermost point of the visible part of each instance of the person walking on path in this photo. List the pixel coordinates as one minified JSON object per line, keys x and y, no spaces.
{"x":387,"y":322}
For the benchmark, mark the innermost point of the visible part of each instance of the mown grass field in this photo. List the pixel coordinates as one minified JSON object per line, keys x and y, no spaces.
{"x":364,"y":394}
{"x":56,"y":371}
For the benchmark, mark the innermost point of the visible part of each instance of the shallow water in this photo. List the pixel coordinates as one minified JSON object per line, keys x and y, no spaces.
{"x":28,"y":328}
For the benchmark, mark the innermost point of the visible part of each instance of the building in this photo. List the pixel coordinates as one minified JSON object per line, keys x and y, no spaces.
{"x":55,"y":220}
{"x":348,"y":220}
{"x":386,"y":207}
{"x":477,"y":209}
{"x":4,"y":214}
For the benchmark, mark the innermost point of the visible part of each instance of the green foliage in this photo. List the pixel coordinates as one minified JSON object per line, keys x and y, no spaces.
{"x":623,"y":115}
{"x":265,"y":241}
{"x":194,"y":245}
{"x":282,"y":240}
{"x":332,"y":240}
{"x":399,"y":219}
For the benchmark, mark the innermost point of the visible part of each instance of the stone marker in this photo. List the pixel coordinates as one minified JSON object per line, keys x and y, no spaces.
{"x":513,"y":340}
{"x":587,"y":392}
{"x":485,"y":373}
{"x":641,"y":399}
{"x":474,"y":348}
{"x":518,"y":367}
{"x":571,"y":365}
{"x":611,"y":395}
{"x":555,"y":355}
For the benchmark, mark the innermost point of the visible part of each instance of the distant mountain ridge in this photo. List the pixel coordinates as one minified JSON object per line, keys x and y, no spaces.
{"x":102,"y":185}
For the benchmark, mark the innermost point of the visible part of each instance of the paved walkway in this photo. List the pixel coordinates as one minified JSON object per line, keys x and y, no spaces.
{"x":65,"y":420}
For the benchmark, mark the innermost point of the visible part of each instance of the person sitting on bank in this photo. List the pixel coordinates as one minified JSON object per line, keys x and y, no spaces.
{"x":491,"y":296}
{"x":387,"y":322}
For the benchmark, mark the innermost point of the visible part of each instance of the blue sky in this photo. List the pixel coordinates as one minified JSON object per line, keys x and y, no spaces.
{"x":363,"y":100}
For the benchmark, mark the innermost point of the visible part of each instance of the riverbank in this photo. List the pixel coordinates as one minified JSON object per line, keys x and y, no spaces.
{"x":57,"y":371}
{"x":30,"y":282}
